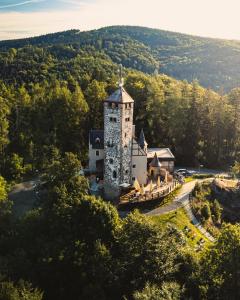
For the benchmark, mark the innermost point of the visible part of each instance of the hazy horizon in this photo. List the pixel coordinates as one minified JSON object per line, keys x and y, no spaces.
{"x":27,"y":18}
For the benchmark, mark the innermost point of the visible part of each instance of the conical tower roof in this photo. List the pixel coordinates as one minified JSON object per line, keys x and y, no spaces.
{"x":142,"y":141}
{"x":155,"y":162}
{"x":120,"y":96}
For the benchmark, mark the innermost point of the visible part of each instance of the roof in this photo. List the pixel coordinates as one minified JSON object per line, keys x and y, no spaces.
{"x":155,"y":162}
{"x":137,"y":150}
{"x":96,"y":139}
{"x":162,"y":153}
{"x":142,"y":141}
{"x":120,"y":96}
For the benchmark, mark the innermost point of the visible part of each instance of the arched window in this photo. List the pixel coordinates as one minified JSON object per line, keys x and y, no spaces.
{"x":97,"y":140}
{"x":114,"y":174}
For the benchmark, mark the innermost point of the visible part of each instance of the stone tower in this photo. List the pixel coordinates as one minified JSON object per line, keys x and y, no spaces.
{"x":118,"y":136}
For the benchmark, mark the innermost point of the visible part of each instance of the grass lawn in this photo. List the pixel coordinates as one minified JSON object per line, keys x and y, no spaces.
{"x":188,"y":179}
{"x":180,"y":220}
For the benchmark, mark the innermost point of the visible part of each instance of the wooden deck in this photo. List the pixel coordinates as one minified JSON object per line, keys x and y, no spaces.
{"x":133,"y":197}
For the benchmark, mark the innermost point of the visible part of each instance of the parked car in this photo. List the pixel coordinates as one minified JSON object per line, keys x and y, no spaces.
{"x":185,"y":172}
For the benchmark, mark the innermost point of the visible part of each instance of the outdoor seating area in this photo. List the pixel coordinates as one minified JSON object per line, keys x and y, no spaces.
{"x":151,"y":191}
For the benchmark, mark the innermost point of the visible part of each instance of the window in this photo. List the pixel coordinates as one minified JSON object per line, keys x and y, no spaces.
{"x":114,"y":174}
{"x":113,"y":120}
{"x":111,"y":161}
{"x":125,"y":134}
{"x":97,"y":140}
{"x":134,"y":166}
{"x":129,"y":105}
{"x":126,"y":105}
{"x":126,"y":172}
{"x":110,"y":143}
{"x":127,"y":119}
{"x":109,"y":104}
{"x":97,"y":153}
{"x":133,"y":178}
{"x":125,"y":146}
{"x":116,"y":105}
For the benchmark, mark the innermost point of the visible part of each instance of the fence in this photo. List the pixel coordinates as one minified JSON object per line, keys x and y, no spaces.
{"x":149,"y":196}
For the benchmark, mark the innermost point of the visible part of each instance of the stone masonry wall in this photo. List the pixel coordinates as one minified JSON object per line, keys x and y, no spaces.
{"x":118,"y":144}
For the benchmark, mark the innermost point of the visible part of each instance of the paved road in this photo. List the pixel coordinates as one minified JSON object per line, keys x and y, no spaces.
{"x":182,"y":200}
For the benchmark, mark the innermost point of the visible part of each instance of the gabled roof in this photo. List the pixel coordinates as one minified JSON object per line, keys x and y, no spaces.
{"x":155,"y":162}
{"x":162,"y":153}
{"x":142,"y":141}
{"x":120,"y":96}
{"x":137,"y":150}
{"x":96,"y":139}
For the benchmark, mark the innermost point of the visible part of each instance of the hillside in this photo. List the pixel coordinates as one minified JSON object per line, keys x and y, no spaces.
{"x":214,"y":62}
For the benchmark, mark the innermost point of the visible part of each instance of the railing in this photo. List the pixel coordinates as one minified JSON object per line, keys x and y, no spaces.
{"x":149,"y":196}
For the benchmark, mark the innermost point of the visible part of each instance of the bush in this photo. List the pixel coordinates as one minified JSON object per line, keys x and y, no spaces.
{"x":203,"y":176}
{"x":206,"y":212}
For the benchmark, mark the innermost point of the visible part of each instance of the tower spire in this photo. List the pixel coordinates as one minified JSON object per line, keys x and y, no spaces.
{"x":121,"y":81}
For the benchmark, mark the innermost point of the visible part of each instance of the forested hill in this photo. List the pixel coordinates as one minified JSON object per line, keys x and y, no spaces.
{"x":214,"y":62}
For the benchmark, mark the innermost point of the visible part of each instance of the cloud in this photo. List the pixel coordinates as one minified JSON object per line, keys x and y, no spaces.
{"x":75,"y":2}
{"x":206,"y":18}
{"x":20,"y":3}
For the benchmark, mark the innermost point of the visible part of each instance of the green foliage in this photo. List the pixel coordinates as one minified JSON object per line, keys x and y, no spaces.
{"x":221,"y":266}
{"x":216,"y":211}
{"x":213,"y":62}
{"x":14,"y":167}
{"x":3,"y":189}
{"x":236,"y":169}
{"x":21,"y":291}
{"x":147,"y":252}
{"x":206,"y":212}
{"x":4,"y":124}
{"x":203,"y":176}
{"x":168,"y":291}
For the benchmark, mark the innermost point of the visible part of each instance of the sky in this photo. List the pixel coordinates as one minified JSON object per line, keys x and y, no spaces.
{"x":210,"y":18}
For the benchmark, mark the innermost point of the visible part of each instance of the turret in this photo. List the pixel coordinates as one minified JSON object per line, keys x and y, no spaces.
{"x":142,"y":141}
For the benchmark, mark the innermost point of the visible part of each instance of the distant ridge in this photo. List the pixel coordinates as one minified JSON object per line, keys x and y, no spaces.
{"x":215,"y":63}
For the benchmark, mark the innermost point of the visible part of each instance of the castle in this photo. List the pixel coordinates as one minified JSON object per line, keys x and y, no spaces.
{"x":116,"y":155}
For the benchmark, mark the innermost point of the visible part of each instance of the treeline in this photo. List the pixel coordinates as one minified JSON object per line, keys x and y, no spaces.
{"x":76,"y":247}
{"x":38,"y":119}
{"x":211,"y":61}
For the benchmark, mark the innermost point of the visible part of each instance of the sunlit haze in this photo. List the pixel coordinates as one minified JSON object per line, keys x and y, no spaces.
{"x":212,"y":18}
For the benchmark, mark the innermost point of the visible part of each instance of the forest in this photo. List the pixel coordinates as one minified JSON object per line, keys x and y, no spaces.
{"x":213,"y":62}
{"x":75,"y":246}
